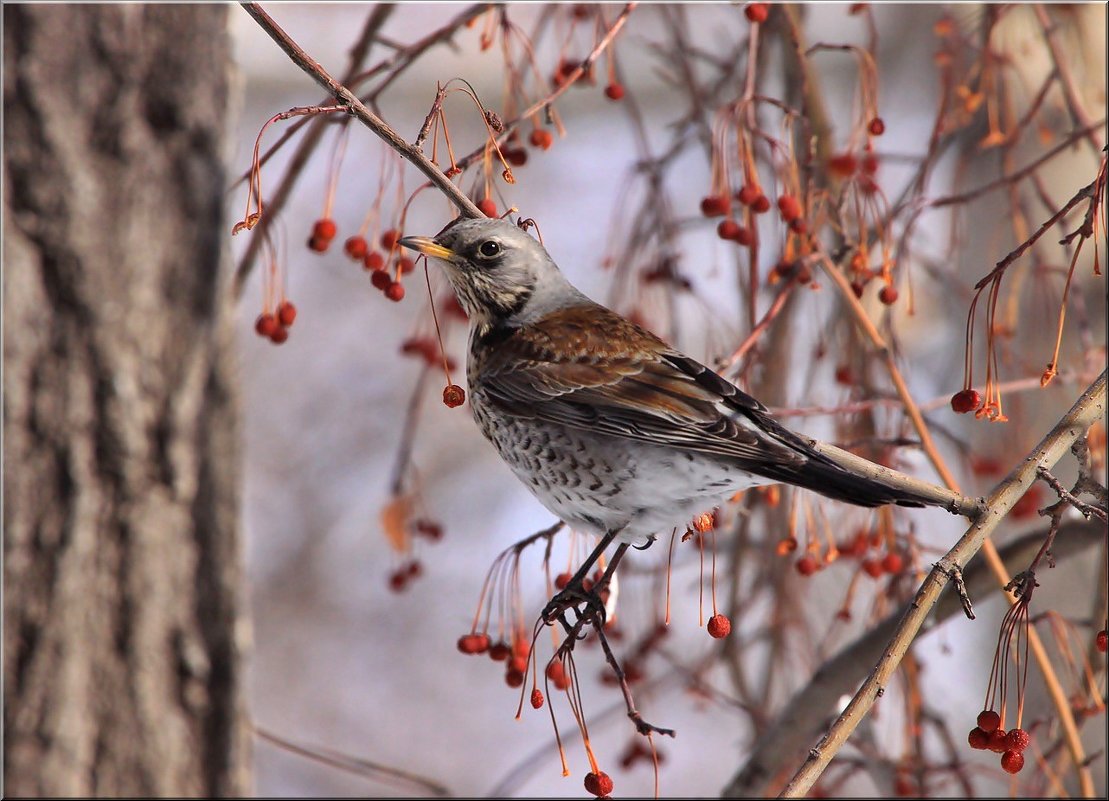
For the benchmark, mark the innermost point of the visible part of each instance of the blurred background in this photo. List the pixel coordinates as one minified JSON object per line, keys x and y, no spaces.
{"x":342,"y":661}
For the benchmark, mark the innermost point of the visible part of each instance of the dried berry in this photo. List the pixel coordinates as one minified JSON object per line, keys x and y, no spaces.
{"x":966,"y":400}
{"x":599,"y":784}
{"x":453,"y":395}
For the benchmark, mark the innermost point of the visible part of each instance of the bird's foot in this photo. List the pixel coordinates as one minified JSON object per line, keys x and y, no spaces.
{"x":587,"y":603}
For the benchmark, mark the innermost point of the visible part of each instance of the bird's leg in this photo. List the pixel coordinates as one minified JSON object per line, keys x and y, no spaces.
{"x":575,"y":593}
{"x":641,"y":726}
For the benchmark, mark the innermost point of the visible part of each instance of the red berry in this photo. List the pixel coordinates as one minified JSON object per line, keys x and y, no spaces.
{"x":857,"y":287}
{"x":888,"y":294}
{"x":728,"y":229}
{"x":988,"y":721}
{"x":324,"y":229}
{"x":845,"y":377}
{"x":405,"y":265}
{"x":433,"y":531}
{"x":806,"y":565}
{"x":870,"y":164}
{"x":319,"y":244}
{"x":714,"y":206}
{"x":1012,"y":761}
{"x":453,"y":396}
{"x":514,"y":678}
{"x":1017,"y":740}
{"x":1102,"y":640}
{"x":356,"y":247}
{"x":966,"y":400}
{"x":789,"y":207}
{"x":760,"y":204}
{"x":487,"y":207}
{"x":893,"y":563}
{"x":997,"y":741}
{"x":373,"y":261}
{"x":381,"y":280}
{"x":978,"y":739}
{"x":614,"y":91}
{"x":757,"y":12}
{"x":843,"y":165}
{"x":557,"y":675}
{"x":876,"y":127}
{"x":562,"y":579}
{"x":286,"y":313}
{"x":599,"y":784}
{"x":265,"y":325}
{"x":541,"y":138}
{"x":499,"y":651}
{"x":389,"y":238}
{"x":395,"y":291}
{"x":747,"y":194}
{"x":398,"y":579}
{"x":798,"y":226}
{"x":872,"y":567}
{"x":536,"y":698}
{"x":719,"y":626}
{"x":279,"y":335}
{"x":473,"y":643}
{"x":516,"y":156}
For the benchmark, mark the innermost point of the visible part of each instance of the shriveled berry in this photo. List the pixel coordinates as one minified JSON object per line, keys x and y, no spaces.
{"x":395,"y":291}
{"x":453,"y":396}
{"x":888,"y":294}
{"x":966,"y":400}
{"x":473,"y":643}
{"x":1017,"y":739}
{"x":893,"y":563}
{"x":286,"y":313}
{"x":541,"y":138}
{"x":356,"y":247}
{"x":536,"y":698}
{"x":487,"y":206}
{"x":614,"y":91}
{"x":389,"y":238}
{"x":877,"y":127}
{"x":373,"y":261}
{"x":978,"y":739}
{"x":806,"y":565}
{"x":381,"y":279}
{"x":757,"y":12}
{"x":599,"y":784}
{"x":265,"y":324}
{"x":988,"y":721}
{"x":789,"y":207}
{"x":1012,"y":761}
{"x":714,"y":205}
{"x":324,"y":229}
{"x":719,"y":626}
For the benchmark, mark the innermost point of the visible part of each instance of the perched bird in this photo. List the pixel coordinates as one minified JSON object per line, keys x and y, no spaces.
{"x":613,"y":430}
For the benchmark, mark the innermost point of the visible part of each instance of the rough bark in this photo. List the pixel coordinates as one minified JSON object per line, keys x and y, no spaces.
{"x":122,"y":576}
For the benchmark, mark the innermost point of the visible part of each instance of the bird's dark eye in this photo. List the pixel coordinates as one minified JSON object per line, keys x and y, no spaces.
{"x":488,"y":249}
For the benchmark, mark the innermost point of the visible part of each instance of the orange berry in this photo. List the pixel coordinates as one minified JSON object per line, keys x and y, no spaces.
{"x":614,"y":91}
{"x":978,"y":739}
{"x":389,"y":238}
{"x":988,"y":721}
{"x":265,"y":325}
{"x":356,"y":247}
{"x":453,"y":396}
{"x":536,"y":698}
{"x":373,"y":261}
{"x":888,"y":294}
{"x":395,"y":291}
{"x":541,"y":138}
{"x":599,"y":784}
{"x":380,"y":279}
{"x":324,"y":229}
{"x":876,"y":127}
{"x":806,"y":565}
{"x":487,"y":206}
{"x":719,"y":626}
{"x":966,"y":400}
{"x":789,"y":207}
{"x":787,"y":546}
{"x":1012,"y":761}
{"x":757,"y":12}
{"x":286,"y":313}
{"x":714,"y":206}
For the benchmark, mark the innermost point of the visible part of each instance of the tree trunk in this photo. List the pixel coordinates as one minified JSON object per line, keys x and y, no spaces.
{"x":123,"y":625}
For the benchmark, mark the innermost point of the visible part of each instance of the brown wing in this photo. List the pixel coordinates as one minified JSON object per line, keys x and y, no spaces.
{"x":587,"y":367}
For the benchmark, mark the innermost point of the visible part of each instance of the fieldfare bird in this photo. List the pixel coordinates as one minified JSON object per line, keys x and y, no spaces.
{"x":614,"y":431}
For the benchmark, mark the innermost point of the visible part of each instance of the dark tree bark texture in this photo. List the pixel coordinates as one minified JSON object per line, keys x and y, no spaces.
{"x":123,"y":626}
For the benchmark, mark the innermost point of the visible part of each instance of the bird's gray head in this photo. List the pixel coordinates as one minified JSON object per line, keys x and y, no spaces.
{"x":498,"y":271}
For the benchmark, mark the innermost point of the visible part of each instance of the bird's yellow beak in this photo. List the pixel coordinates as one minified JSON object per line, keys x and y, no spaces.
{"x":426,"y":246}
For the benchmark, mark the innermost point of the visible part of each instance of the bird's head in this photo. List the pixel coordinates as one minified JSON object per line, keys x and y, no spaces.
{"x":499,"y":273}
